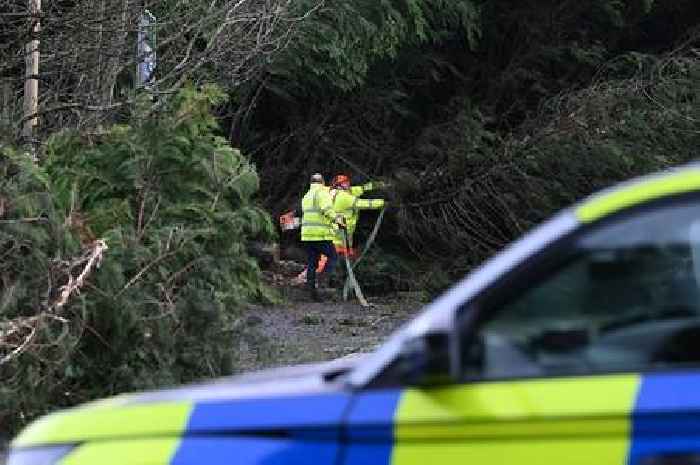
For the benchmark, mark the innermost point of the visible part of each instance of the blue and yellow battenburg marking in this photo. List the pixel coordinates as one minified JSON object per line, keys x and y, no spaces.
{"x":570,"y":420}
{"x":616,"y":419}
{"x":610,"y":419}
{"x":269,"y":430}
{"x":275,"y":430}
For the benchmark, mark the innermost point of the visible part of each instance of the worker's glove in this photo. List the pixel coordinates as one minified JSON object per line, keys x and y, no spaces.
{"x":382,"y":184}
{"x":340,"y":221}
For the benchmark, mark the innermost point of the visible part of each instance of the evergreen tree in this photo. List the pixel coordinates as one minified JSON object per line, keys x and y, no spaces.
{"x":173,"y":202}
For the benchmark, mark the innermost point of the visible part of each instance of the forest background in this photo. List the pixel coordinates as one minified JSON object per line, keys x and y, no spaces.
{"x":128,"y":207}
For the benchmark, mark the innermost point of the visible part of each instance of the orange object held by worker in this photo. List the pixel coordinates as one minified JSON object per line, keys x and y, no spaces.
{"x":350,"y":252}
{"x":288,"y":221}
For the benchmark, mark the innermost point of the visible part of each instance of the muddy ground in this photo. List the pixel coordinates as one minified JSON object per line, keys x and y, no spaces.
{"x":298,"y":330}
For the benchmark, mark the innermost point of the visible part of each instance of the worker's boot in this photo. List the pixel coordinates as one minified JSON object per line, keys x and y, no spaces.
{"x":313,"y":292}
{"x":325,"y":281}
{"x":322,"y":280}
{"x":333,"y":281}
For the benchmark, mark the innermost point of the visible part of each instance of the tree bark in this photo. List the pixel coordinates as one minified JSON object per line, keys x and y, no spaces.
{"x":31,"y":81}
{"x":7,"y":104}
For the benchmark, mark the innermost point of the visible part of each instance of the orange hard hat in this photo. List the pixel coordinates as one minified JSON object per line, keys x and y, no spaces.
{"x":341,"y":180}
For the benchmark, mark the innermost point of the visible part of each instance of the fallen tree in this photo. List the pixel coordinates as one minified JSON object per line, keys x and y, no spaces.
{"x":124,"y":262}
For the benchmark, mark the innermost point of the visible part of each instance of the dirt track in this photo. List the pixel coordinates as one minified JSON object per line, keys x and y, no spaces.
{"x":299,"y":330}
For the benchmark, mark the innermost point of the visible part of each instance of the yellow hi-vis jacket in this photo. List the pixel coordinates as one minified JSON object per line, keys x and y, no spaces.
{"x":349,"y":206}
{"x":359,"y":190}
{"x":317,"y":215}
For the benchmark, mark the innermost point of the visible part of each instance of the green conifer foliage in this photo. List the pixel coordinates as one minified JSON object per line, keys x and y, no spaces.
{"x":339,"y":42}
{"x":173,"y":202}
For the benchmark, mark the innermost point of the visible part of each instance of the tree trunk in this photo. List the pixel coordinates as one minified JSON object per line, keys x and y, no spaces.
{"x":7,"y":105}
{"x":31,"y":81}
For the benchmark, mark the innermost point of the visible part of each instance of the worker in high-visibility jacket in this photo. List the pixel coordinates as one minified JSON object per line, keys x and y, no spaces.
{"x":348,"y":204}
{"x":338,"y":240}
{"x":319,"y":222}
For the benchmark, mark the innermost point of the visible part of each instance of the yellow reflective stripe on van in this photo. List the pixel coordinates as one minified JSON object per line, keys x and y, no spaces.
{"x":582,"y":420}
{"x":106,"y":421}
{"x":156,"y":451}
{"x":628,"y":196}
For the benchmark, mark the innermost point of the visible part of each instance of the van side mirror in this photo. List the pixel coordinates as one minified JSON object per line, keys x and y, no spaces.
{"x":426,"y":360}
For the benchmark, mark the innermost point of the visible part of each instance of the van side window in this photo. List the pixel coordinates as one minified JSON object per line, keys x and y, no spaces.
{"x":625,"y":298}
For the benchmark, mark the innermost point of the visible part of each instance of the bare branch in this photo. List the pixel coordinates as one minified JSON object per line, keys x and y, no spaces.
{"x":19,"y":334}
{"x":89,"y":53}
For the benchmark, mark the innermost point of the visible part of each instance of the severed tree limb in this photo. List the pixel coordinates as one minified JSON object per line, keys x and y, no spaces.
{"x":14,"y":328}
{"x":94,"y":260}
{"x":22,"y":347}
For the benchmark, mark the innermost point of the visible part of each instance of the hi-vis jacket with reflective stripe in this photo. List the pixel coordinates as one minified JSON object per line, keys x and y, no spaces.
{"x":359,"y":190}
{"x":317,"y":222}
{"x":348,"y":205}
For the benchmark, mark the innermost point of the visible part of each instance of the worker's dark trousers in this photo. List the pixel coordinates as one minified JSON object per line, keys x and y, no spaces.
{"x":314,"y":249}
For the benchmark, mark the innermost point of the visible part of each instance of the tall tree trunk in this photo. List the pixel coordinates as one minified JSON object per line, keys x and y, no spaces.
{"x":114,"y":64}
{"x":31,"y":81}
{"x":7,"y":104}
